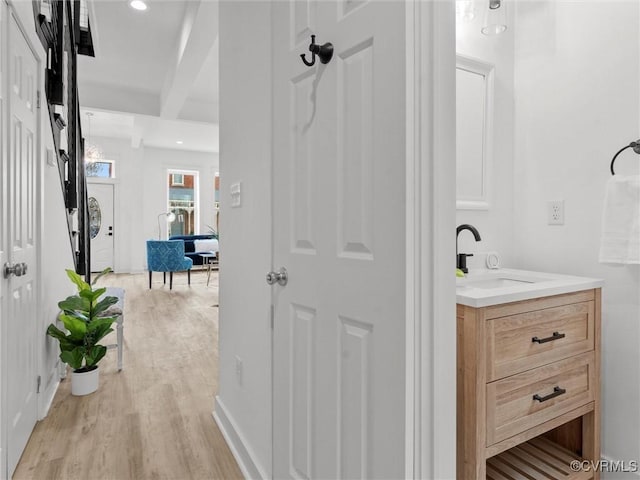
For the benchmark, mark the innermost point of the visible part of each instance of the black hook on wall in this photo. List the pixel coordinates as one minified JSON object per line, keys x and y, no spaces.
{"x":324,"y":52}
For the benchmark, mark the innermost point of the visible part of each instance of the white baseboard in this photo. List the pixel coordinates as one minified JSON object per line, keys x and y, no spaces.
{"x":246,"y":459}
{"x":51,"y":383}
{"x":47,"y":399}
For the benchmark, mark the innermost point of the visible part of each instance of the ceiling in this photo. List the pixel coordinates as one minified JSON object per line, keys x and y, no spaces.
{"x":154,"y":77}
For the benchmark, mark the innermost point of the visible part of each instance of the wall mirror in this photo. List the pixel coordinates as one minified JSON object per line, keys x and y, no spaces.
{"x":474,"y":132}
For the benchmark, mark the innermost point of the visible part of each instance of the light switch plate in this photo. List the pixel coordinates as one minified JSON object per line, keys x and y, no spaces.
{"x":236,"y":194}
{"x":51,"y":158}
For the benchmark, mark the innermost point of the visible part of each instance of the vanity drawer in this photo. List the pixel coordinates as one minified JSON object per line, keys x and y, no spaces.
{"x":520,"y":402}
{"x":517,"y":343}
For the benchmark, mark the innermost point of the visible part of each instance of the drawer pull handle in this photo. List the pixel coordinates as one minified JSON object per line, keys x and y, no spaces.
{"x":557,"y":391}
{"x":555,"y":336}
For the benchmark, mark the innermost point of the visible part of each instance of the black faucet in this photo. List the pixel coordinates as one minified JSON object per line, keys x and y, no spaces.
{"x":461,"y":258}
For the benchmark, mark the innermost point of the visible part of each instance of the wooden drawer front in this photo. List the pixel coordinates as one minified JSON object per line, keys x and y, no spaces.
{"x":510,"y":345}
{"x":512,"y":409}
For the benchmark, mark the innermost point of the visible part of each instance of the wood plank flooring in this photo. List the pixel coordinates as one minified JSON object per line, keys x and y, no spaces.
{"x":152,"y":420}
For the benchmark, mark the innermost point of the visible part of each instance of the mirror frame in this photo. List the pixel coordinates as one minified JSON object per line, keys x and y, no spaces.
{"x":486,"y":70}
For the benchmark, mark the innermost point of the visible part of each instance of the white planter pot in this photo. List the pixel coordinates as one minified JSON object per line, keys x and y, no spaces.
{"x":85,"y":383}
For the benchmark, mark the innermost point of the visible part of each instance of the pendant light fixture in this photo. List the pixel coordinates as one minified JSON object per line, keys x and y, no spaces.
{"x":495,"y":18}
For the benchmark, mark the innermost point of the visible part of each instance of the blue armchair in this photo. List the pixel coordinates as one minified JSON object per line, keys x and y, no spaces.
{"x":167,"y":256}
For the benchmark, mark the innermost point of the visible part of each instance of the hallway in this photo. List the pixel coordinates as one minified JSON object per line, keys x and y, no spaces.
{"x":154,"y":419}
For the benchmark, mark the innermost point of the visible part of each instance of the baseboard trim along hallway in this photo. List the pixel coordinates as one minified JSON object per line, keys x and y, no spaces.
{"x":246,"y":459}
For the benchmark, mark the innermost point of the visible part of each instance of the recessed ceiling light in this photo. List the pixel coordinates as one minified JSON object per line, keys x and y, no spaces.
{"x":138,"y":5}
{"x":179,"y":142}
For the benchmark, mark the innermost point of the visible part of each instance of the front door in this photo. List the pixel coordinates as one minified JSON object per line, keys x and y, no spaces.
{"x":100,"y":204}
{"x":21,"y":329}
{"x":339,"y":230}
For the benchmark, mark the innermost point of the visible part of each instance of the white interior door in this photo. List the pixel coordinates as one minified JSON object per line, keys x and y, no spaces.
{"x":21,"y":322}
{"x":101,"y":225}
{"x":339,"y":230}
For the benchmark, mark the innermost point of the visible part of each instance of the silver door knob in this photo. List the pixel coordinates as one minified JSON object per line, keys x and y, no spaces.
{"x":18,"y":269}
{"x":281,"y":277}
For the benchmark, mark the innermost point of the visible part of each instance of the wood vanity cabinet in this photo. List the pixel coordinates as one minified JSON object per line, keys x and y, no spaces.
{"x":528,"y":379}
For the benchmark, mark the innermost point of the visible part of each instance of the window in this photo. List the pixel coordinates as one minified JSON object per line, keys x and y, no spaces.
{"x":183,"y":202}
{"x":177,"y":179}
{"x":100,"y":169}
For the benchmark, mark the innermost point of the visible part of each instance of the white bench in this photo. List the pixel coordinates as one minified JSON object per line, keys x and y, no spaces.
{"x":116,"y":310}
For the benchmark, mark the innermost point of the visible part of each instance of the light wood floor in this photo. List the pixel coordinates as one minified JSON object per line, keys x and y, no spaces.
{"x":152,"y":420}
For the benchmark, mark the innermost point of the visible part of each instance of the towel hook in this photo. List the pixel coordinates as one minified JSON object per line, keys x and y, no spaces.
{"x":636,"y":148}
{"x":325,"y":52}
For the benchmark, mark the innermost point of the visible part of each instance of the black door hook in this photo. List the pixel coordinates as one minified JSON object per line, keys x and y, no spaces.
{"x":325,"y":52}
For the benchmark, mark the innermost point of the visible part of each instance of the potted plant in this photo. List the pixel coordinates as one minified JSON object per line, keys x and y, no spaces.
{"x":87,"y":320}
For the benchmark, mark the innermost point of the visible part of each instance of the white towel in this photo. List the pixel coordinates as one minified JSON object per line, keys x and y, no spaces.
{"x":620,"y":241}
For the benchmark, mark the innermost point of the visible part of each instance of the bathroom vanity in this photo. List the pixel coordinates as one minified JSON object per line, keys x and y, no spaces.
{"x":528,"y":375}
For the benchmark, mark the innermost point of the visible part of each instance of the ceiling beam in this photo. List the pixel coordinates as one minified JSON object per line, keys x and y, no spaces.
{"x":198,"y":36}
{"x":118,"y":99}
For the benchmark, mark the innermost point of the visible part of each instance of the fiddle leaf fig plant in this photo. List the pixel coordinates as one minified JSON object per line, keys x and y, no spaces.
{"x":87,"y":321}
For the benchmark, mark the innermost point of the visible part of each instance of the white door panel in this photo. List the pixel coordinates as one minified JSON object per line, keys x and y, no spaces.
{"x":339,"y":324}
{"x":21,"y":322}
{"x":101,"y":225}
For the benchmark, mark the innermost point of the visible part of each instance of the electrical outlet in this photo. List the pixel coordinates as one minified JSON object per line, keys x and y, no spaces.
{"x":239,"y":370}
{"x":555,"y":212}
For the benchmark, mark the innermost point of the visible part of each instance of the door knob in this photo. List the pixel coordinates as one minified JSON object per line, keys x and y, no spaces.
{"x":18,"y":269}
{"x":281,"y":277}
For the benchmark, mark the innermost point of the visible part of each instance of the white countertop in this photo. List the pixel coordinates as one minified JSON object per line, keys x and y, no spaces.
{"x":482,"y":288}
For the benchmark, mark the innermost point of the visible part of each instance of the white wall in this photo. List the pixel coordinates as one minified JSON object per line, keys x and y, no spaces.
{"x":577,"y":84}
{"x":494,"y":224}
{"x":56,"y":256}
{"x":141,"y":194}
{"x":245,"y":106}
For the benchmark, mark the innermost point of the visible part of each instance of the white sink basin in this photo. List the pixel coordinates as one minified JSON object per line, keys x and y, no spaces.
{"x":495,"y":283}
{"x":482,"y":288}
